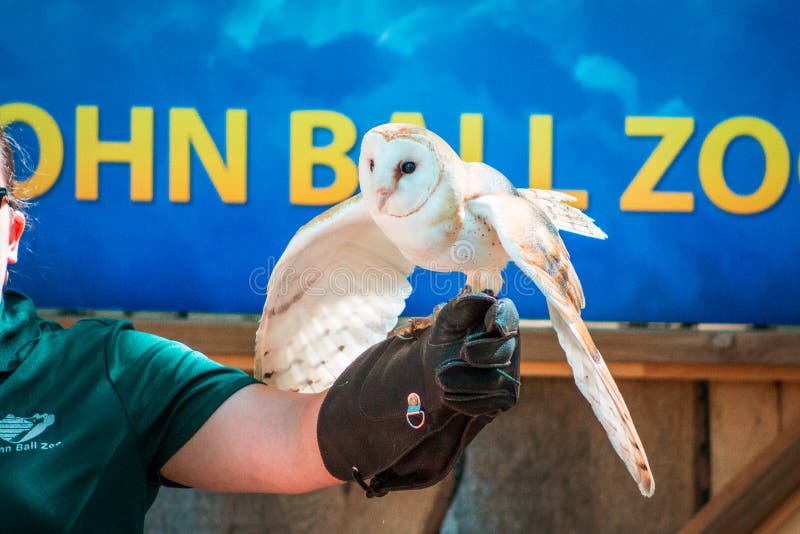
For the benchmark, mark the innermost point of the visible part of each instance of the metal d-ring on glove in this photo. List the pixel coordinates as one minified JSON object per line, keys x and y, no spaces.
{"x":415,"y":416}
{"x":402,"y":413}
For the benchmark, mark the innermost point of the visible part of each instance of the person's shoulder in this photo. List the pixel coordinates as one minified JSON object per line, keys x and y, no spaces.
{"x":90,"y":327}
{"x":86,"y":338}
{"x":102,"y":323}
{"x":121,"y":335}
{"x":123,"y":346}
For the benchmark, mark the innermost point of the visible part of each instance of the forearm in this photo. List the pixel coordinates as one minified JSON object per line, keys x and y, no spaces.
{"x":294,"y":464}
{"x":260,"y":440}
{"x":265,"y":440}
{"x":313,"y":468}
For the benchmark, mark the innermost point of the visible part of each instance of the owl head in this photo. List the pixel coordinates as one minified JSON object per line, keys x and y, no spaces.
{"x":400,"y":167}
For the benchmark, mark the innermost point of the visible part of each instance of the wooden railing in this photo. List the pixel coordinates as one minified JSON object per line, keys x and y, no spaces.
{"x":647,"y":353}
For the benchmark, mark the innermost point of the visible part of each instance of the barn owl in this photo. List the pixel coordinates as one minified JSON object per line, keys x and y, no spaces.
{"x":342,"y":281}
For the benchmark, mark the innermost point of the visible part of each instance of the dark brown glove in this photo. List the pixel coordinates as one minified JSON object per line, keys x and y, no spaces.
{"x":402,"y":413}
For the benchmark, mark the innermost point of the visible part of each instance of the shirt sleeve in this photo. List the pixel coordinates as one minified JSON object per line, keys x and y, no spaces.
{"x":168,"y":390}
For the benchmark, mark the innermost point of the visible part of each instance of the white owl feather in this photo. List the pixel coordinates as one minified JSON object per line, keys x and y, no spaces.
{"x":342,"y":281}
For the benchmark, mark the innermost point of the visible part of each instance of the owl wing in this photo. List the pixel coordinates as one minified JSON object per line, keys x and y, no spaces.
{"x":337,"y":289}
{"x":533,"y":243}
{"x":564,"y":216}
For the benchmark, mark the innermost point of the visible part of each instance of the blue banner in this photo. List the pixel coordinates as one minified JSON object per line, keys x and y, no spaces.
{"x":172,"y":151}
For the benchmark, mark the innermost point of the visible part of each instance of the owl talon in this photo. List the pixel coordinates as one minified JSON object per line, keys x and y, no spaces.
{"x":419,"y":324}
{"x":489,"y":292}
{"x":414,"y":326}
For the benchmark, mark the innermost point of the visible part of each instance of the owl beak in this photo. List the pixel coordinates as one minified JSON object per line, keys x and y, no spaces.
{"x":383,"y":195}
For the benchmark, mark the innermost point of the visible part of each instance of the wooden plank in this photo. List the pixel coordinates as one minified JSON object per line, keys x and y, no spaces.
{"x":790,"y":405}
{"x":791,"y":524}
{"x":785,"y":519}
{"x":761,"y":487}
{"x":675,"y":371}
{"x":743,"y":419}
{"x":775,"y":347}
{"x":645,"y":371}
{"x":779,"y":347}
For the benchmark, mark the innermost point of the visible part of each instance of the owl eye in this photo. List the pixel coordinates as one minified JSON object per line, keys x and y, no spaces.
{"x":408,"y":167}
{"x":371,"y":165}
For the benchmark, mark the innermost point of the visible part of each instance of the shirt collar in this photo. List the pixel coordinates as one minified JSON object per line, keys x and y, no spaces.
{"x":19,"y":324}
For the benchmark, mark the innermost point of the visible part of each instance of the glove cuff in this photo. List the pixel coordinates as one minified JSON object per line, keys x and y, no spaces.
{"x":362,"y":421}
{"x":380,"y":420}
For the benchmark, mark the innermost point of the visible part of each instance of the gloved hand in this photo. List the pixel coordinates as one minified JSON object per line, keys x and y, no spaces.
{"x":403,"y":412}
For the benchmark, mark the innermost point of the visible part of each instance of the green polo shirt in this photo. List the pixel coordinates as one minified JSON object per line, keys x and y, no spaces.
{"x":89,"y":414}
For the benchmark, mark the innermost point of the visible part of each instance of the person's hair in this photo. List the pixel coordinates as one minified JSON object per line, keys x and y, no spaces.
{"x":7,"y":171}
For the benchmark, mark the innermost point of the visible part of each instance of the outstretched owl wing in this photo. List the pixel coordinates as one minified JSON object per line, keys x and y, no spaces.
{"x":337,"y":289}
{"x":532,"y":241}
{"x":564,"y":216}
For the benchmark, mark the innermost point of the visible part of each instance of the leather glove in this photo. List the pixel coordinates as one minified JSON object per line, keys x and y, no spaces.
{"x":402,"y":413}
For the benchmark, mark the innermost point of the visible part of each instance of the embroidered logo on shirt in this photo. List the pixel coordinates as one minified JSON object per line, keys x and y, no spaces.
{"x":20,"y":431}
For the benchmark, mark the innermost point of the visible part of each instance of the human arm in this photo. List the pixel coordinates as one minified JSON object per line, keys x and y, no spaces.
{"x":464,"y":371}
{"x":259,"y":440}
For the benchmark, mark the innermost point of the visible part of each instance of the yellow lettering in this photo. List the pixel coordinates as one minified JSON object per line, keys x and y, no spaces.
{"x":640,"y":194}
{"x":776,"y":171}
{"x":472,"y":137}
{"x":408,"y":117}
{"x":187,"y":130}
{"x":90,"y":151}
{"x":304,"y":155}
{"x":471,"y":131}
{"x":51,"y":147}
{"x":540,"y":164}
